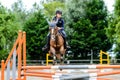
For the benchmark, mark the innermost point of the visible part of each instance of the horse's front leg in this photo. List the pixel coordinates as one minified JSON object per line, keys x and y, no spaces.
{"x":62,"y":52}
{"x":54,"y":55}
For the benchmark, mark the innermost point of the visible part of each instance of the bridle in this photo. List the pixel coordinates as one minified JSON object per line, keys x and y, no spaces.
{"x":53,"y":27}
{"x":54,"y":33}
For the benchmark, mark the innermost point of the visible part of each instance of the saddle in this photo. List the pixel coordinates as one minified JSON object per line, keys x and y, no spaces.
{"x":62,"y":34}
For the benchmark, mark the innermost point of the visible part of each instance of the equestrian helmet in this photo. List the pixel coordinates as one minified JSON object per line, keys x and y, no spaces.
{"x":59,"y":12}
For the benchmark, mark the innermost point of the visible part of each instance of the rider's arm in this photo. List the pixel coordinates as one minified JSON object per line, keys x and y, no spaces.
{"x":62,"y":27}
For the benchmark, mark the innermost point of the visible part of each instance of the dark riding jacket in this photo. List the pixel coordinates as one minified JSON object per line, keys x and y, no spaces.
{"x":60,"y":22}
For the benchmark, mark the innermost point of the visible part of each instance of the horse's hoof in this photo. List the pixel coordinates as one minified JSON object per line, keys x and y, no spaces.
{"x":60,"y":69}
{"x":54,"y":63}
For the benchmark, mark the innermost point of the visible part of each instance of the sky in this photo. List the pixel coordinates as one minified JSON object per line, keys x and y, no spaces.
{"x":110,"y":4}
{"x":28,"y":3}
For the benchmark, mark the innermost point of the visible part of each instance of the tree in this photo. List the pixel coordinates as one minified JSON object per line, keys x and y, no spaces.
{"x":110,"y":31}
{"x":88,"y":20}
{"x":36,"y":29}
{"x":113,"y":31}
{"x":51,"y":7}
{"x":20,"y":13}
{"x":8,"y":31}
{"x":117,"y":26}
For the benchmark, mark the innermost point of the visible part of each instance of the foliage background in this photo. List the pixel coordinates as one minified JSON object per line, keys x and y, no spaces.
{"x":88,"y":24}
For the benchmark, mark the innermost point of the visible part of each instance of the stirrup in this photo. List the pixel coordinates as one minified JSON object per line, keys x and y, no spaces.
{"x":44,"y":48}
{"x":68,"y":47}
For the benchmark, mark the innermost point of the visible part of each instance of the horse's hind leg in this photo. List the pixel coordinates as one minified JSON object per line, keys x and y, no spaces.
{"x":62,"y":59}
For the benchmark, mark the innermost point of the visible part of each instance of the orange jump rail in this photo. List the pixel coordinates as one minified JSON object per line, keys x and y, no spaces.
{"x":19,"y":45}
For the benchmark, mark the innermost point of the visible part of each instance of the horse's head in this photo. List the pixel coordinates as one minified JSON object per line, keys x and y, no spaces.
{"x":53,"y":29}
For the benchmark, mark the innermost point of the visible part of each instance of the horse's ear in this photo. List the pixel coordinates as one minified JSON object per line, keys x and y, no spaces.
{"x":48,"y":21}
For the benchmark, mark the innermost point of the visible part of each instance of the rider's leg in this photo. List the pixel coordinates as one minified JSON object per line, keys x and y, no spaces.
{"x":46,"y":47}
{"x":65,"y":38}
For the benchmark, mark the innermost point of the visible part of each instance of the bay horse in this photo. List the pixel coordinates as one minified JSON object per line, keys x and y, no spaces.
{"x":57,"y":48}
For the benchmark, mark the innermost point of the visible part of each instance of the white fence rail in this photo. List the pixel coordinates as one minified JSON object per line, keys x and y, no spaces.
{"x":94,"y":61}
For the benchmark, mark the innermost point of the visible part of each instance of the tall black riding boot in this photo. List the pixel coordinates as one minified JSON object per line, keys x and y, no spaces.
{"x":66,"y":44}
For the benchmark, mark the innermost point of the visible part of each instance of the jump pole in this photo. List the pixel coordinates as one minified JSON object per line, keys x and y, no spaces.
{"x":2,"y":70}
{"x":90,"y":75}
{"x":73,"y":67}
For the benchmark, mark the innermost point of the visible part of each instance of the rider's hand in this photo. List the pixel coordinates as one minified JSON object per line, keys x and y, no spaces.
{"x":59,"y":28}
